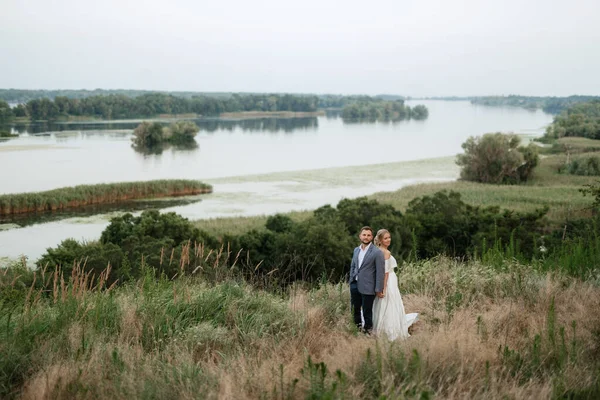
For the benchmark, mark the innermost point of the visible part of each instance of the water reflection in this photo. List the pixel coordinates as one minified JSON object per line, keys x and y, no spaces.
{"x":336,"y":113}
{"x":262,"y":124}
{"x":272,"y":125}
{"x":333,"y":113}
{"x":94,"y":209}
{"x":159,"y":148}
{"x":35,"y":128}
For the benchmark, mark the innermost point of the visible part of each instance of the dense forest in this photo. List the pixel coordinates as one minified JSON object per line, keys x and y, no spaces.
{"x":154,"y":104}
{"x":139,"y":104}
{"x":582,"y":120}
{"x":20,"y":96}
{"x":551,"y":105}
{"x":372,"y":109}
{"x":25,"y":95}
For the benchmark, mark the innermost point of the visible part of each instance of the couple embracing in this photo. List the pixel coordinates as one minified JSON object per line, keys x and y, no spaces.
{"x":374,"y":289}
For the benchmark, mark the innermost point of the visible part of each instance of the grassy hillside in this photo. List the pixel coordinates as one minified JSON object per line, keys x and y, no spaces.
{"x":497,"y":333}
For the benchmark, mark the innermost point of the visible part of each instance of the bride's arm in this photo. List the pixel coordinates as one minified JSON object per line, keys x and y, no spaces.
{"x":385,"y":278}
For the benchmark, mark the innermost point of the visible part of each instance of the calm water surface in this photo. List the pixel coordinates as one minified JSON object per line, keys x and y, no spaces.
{"x":256,"y":166}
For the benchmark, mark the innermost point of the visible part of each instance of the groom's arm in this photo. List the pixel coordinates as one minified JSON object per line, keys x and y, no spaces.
{"x":352,"y":265}
{"x":379,"y":272}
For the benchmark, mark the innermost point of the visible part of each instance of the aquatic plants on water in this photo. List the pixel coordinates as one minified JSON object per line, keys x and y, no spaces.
{"x":106,"y":193}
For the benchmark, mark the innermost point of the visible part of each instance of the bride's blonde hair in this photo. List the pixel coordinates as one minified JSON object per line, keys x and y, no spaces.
{"x":379,"y":236}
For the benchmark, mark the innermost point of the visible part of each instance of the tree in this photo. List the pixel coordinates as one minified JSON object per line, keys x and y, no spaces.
{"x":496,"y":158}
{"x":181,"y":132}
{"x":5,"y":111}
{"x":582,"y":119}
{"x":20,"y":111}
{"x":148,"y":134}
{"x":419,"y":112}
{"x":594,"y":191}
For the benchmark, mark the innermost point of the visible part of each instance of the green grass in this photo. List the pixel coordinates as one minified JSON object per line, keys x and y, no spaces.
{"x":571,"y":144}
{"x":484,"y":331}
{"x":547,"y":187}
{"x":240,"y":225}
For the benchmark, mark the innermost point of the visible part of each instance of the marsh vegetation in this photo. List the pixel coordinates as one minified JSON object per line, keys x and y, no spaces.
{"x":108,"y":193}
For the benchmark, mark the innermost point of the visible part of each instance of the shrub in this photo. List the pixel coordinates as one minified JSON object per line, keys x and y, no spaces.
{"x":279,"y":223}
{"x":419,"y":112}
{"x":594,"y":191}
{"x":153,"y":137}
{"x":582,"y":120}
{"x":93,"y":256}
{"x":444,"y":224}
{"x":588,"y":166}
{"x":181,"y":132}
{"x":496,"y":158}
{"x":150,"y":224}
{"x":148,"y":134}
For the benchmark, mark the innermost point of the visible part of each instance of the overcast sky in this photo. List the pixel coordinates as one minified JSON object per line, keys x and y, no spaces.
{"x":406,"y":47}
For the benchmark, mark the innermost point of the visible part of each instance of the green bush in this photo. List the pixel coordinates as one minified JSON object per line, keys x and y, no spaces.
{"x":150,"y":224}
{"x":93,"y":256}
{"x":148,"y":134}
{"x":319,"y":248}
{"x":588,"y":166}
{"x":181,"y":132}
{"x":594,"y":191}
{"x":497,"y":158}
{"x":419,"y":112}
{"x":582,"y":120}
{"x":444,"y":224}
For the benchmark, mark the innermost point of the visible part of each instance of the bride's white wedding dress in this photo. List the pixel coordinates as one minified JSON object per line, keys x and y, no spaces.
{"x":389,"y":318}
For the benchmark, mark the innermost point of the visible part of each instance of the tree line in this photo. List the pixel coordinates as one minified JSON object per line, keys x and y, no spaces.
{"x":149,"y":105}
{"x":551,"y":105}
{"x":581,"y":120}
{"x":25,"y":95}
{"x":341,"y":101}
{"x":372,"y":109}
{"x":320,"y":247}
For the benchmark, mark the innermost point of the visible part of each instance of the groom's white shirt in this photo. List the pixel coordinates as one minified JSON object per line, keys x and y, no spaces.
{"x":361,"y":255}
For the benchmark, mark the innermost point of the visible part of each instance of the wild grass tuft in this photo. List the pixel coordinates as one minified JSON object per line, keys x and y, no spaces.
{"x":484,"y":331}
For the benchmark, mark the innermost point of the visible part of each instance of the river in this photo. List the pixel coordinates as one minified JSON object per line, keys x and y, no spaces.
{"x":257,"y":166}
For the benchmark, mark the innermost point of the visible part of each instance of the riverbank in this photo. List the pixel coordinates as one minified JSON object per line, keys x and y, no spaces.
{"x":107,"y":193}
{"x":547,"y":187}
{"x":242,"y":203}
{"x":168,"y":118}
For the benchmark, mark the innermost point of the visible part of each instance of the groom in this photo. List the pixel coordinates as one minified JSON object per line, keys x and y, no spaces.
{"x":366,"y":278}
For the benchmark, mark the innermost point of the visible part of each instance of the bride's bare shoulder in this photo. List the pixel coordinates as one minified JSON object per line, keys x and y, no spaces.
{"x":387,"y":254}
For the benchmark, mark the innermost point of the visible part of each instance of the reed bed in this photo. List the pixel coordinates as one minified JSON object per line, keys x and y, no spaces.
{"x":547,"y":187}
{"x":105,"y":193}
{"x":484,"y":332}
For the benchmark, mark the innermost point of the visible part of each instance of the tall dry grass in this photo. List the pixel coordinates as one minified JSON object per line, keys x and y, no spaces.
{"x":483,"y":333}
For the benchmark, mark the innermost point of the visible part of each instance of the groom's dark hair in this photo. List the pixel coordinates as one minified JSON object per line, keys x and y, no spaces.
{"x":366,"y":228}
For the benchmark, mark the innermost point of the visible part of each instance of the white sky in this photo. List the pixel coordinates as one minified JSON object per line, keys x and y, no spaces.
{"x":406,"y":47}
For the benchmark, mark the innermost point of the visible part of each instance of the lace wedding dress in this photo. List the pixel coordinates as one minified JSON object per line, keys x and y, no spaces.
{"x":389,"y":318}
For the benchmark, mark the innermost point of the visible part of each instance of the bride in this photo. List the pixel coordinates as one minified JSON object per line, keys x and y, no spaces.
{"x":389,"y":318}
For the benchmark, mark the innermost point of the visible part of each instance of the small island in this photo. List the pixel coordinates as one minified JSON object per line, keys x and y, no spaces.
{"x":105,"y":193}
{"x":368,"y":109}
